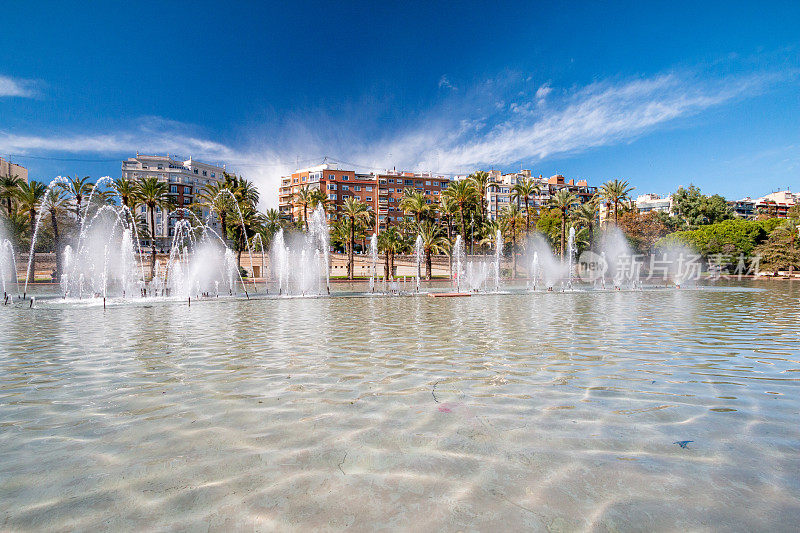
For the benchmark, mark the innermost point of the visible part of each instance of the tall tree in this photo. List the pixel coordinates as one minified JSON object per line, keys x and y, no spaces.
{"x":78,"y":189}
{"x":217,"y":197}
{"x":585,"y":216}
{"x":463,"y":194}
{"x":8,"y":190}
{"x":524,"y":190}
{"x":55,"y":202}
{"x":390,"y":242}
{"x":433,"y":242}
{"x":413,"y":203}
{"x":303,"y":198}
{"x":29,"y":197}
{"x":154,"y":194}
{"x":614,"y":192}
{"x":356,"y":212}
{"x":482,"y":182}
{"x":511,"y":221}
{"x":564,"y":201}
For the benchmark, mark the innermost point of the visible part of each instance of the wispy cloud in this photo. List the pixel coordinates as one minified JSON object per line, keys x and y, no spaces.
{"x":16,"y":87}
{"x":499,"y":122}
{"x":445,"y":82}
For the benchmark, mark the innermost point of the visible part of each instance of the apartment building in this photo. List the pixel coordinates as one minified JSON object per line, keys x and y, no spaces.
{"x":646,"y":203}
{"x":186,"y":179}
{"x":9,"y":169}
{"x":499,"y":195}
{"x":381,"y":191}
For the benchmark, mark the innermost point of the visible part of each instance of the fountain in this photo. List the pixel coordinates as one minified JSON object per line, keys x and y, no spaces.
{"x":458,"y":262}
{"x":570,"y":256}
{"x":373,"y":249}
{"x":299,"y":262}
{"x":498,"y":254}
{"x":547,"y":267}
{"x":8,"y":265}
{"x":418,"y":252}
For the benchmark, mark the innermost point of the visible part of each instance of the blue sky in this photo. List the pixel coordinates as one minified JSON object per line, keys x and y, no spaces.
{"x":660,"y":94}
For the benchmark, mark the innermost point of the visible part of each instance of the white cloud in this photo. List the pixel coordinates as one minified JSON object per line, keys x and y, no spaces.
{"x":444,"y":82}
{"x":16,"y":87}
{"x":468,"y":131}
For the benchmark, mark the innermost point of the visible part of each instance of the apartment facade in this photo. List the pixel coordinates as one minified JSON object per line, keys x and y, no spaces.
{"x":651,"y":202}
{"x":382,"y":192}
{"x":775,"y":204}
{"x":186,"y":179}
{"x":9,"y":169}
{"x":499,"y":195}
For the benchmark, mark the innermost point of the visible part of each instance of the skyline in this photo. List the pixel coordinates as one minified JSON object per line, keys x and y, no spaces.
{"x":686,"y":98}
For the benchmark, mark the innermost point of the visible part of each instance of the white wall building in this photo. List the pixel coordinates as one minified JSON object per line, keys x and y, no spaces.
{"x":653,"y":202}
{"x":186,"y":179}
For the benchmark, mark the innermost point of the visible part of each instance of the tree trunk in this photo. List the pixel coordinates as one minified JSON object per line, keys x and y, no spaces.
{"x":563,"y":228}
{"x":224,"y":223}
{"x":386,"y":266}
{"x":56,"y":244}
{"x":305,"y":215}
{"x":350,"y":264}
{"x":428,"y":265}
{"x":8,"y":204}
{"x":514,"y":253}
{"x":31,"y":275}
{"x":152,"y":242}
{"x":391,"y":265}
{"x":463,"y":228}
{"x":527,"y":217}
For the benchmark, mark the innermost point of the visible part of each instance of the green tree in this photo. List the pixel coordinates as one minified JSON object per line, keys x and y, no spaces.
{"x":697,"y":209}
{"x":390,"y":242}
{"x":413,"y":203}
{"x":512,"y":220}
{"x":8,"y":190}
{"x":586,"y":217}
{"x":523,"y":191}
{"x":78,"y":189}
{"x":303,"y":197}
{"x":55,"y":202}
{"x":464,"y":195}
{"x":615,"y":192}
{"x":564,"y":201}
{"x":482,"y":182}
{"x":153,"y":194}
{"x":218,"y":198}
{"x":781,"y":248}
{"x":29,"y":197}
{"x":433,"y":242}
{"x":357,"y":213}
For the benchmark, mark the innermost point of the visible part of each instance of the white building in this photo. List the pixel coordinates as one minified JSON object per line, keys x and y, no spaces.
{"x":9,"y":169}
{"x":653,"y":202}
{"x":186,"y":179}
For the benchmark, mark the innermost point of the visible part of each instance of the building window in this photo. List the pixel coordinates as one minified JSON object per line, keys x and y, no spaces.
{"x":356,"y":187}
{"x":345,"y":178}
{"x":304,"y":178}
{"x":345,"y":196}
{"x":186,"y":201}
{"x":427,"y":192}
{"x":345,"y":187}
{"x":187,"y":190}
{"x":369,"y":188}
{"x":205,"y":173}
{"x":173,"y":188}
{"x":195,"y":171}
{"x":407,"y":182}
{"x":160,"y":167}
{"x":428,"y":183}
{"x":213,"y":175}
{"x":331,"y":176}
{"x":331,"y":197}
{"x":369,"y":198}
{"x":331,"y":186}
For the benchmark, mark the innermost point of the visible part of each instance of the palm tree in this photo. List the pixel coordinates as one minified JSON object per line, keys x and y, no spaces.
{"x":448,"y":209}
{"x":252,"y":222}
{"x":524,"y":190}
{"x":78,"y":188}
{"x":356,"y":212}
{"x":127,"y":190}
{"x":482,"y":182}
{"x":390,"y":242}
{"x":8,"y":187}
{"x":153,"y":194}
{"x":463,"y":194}
{"x":414,"y":203}
{"x":304,"y":197}
{"x":563,"y":200}
{"x":511,"y":221}
{"x":433,"y":242}
{"x":586,"y":216}
{"x":614,"y":192}
{"x":318,"y":197}
{"x":29,"y":197}
{"x":56,"y":203}
{"x":217,"y":197}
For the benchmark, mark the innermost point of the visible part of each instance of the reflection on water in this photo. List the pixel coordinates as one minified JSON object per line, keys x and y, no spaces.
{"x":537,"y":411}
